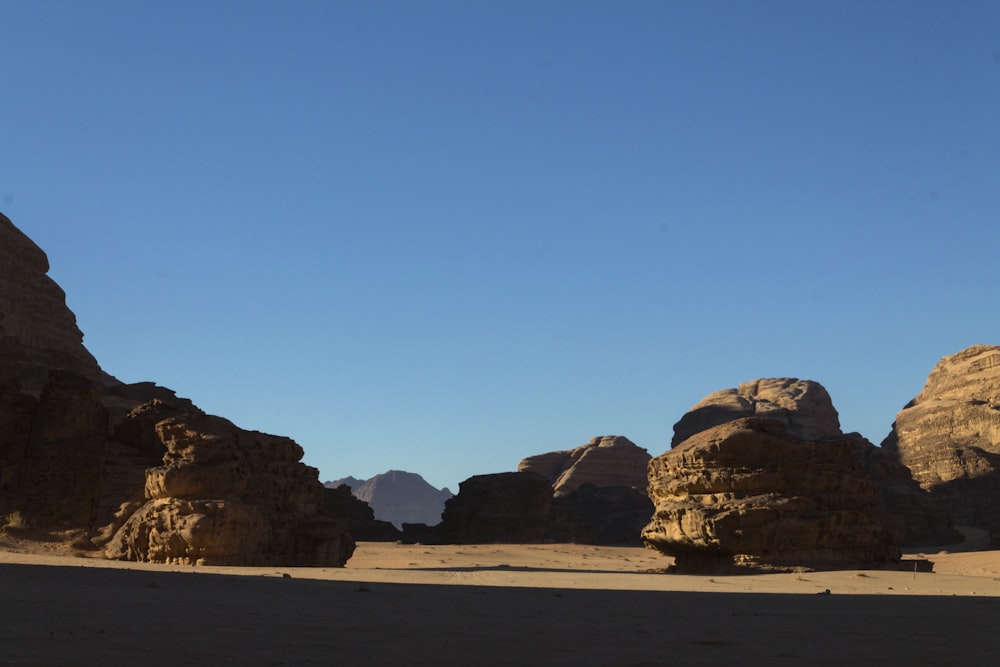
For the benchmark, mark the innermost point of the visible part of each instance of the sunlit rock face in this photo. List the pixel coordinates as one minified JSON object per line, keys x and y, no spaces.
{"x":803,"y":406}
{"x":805,"y":409}
{"x":37,"y":331}
{"x":608,"y":460}
{"x":750,"y":492}
{"x":949,"y":435}
{"x":227,"y":496}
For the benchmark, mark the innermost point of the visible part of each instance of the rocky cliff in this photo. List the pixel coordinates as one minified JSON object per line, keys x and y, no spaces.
{"x":37,"y":330}
{"x":750,"y":492}
{"x":949,"y":435}
{"x":609,"y":460}
{"x":133,"y":469}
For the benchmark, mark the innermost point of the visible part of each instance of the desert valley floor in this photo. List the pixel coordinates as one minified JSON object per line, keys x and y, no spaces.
{"x":557,"y":604}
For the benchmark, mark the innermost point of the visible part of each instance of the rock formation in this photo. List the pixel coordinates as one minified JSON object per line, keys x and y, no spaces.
{"x":613,"y":515}
{"x":750,"y":492}
{"x":803,"y":406}
{"x":949,"y":436}
{"x":806,"y":410}
{"x":37,"y":331}
{"x":340,"y":503}
{"x":399,"y":497}
{"x":226,"y":496}
{"x":610,"y":460}
{"x":132,"y":468}
{"x":503,"y":507}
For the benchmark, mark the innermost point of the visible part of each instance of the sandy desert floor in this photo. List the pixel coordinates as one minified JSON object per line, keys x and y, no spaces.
{"x":493,"y":605}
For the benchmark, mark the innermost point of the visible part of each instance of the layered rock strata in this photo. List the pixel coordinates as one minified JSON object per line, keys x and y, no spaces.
{"x":949,"y":435}
{"x":749,"y":492}
{"x":805,"y":409}
{"x":609,"y":460}
{"x":226,"y":496}
{"x":37,"y":330}
{"x":803,"y":406}
{"x":133,"y":469}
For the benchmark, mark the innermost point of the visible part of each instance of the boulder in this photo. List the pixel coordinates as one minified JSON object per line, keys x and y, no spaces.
{"x":609,"y":460}
{"x":751,"y":492}
{"x":803,"y":406}
{"x":949,"y":436}
{"x":805,"y":409}
{"x":226,"y":496}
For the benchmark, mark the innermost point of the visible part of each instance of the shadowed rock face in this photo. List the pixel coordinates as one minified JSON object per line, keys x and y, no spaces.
{"x":750,"y":492}
{"x":132,"y":468}
{"x":37,"y":331}
{"x":949,"y":435}
{"x":609,"y":460}
{"x":502,"y":507}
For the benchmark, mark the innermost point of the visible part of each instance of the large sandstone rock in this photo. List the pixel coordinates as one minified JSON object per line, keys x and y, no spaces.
{"x":750,"y":492}
{"x":132,"y":468}
{"x":613,"y":515}
{"x":510,"y":507}
{"x":37,"y":331}
{"x":803,"y":406}
{"x":609,"y":460}
{"x":226,"y":496}
{"x":806,"y":410}
{"x":949,"y":435}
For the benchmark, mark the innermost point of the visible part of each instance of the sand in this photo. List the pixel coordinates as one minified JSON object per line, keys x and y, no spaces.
{"x":493,"y":605}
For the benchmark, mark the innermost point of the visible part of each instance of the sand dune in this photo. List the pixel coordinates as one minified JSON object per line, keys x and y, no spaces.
{"x":494,"y":605}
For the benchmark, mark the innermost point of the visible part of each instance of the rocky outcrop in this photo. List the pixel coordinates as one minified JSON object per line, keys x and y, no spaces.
{"x":612,"y":515}
{"x":340,"y":503}
{"x":806,"y":410}
{"x":226,"y":496}
{"x":803,"y":406}
{"x":132,"y":468}
{"x":37,"y":331}
{"x":949,"y":436}
{"x":511,"y":507}
{"x":750,"y":492}
{"x":399,"y":497}
{"x":610,"y":460}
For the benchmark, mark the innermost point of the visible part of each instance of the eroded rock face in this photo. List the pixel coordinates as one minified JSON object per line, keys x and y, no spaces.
{"x":803,"y":406}
{"x":37,"y":331}
{"x":751,"y":492}
{"x":949,"y":435}
{"x":132,"y":468}
{"x":226,"y":496}
{"x":806,"y":410}
{"x":609,"y":460}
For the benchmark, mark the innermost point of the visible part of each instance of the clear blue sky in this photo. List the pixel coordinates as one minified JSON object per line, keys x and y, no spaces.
{"x":443,"y":236}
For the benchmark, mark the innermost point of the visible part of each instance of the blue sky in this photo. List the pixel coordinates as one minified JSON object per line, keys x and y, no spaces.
{"x":443,"y":236}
